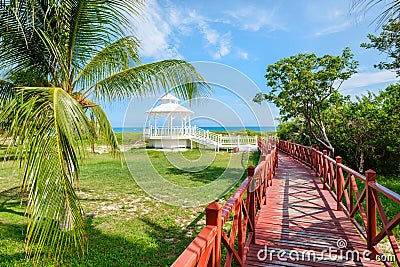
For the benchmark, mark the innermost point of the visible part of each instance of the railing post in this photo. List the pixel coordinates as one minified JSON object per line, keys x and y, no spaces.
{"x":339,"y":186}
{"x":214,"y":218}
{"x":312,"y":155}
{"x":264,"y":173}
{"x":301,"y":147}
{"x":252,"y":205}
{"x":316,"y":161}
{"x":371,"y":212}
{"x":325,"y":169}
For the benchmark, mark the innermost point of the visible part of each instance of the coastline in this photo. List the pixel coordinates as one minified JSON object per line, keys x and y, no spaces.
{"x":211,"y":128}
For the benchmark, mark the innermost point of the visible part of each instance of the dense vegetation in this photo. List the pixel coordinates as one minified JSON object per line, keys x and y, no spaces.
{"x":365,"y":132}
{"x":306,"y":85}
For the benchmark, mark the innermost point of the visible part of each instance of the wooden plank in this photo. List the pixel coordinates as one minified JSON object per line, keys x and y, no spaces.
{"x":299,"y":217}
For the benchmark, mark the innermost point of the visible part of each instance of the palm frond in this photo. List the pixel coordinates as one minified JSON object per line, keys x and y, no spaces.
{"x":57,"y":56}
{"x":150,"y":78}
{"x":50,"y":128}
{"x":104,"y":128}
{"x":20,"y":46}
{"x":114,"y":58}
{"x":391,"y":9}
{"x":7,"y":92}
{"x":96,"y":23}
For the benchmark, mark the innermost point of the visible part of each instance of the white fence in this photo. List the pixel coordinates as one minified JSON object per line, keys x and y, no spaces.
{"x":198,"y":134}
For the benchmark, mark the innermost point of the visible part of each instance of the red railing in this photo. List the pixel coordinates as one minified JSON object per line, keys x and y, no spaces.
{"x":205,"y":249}
{"x":355,"y":194}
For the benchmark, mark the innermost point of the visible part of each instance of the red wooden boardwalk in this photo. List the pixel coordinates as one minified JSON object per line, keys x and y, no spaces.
{"x":301,"y":219}
{"x":299,"y":226}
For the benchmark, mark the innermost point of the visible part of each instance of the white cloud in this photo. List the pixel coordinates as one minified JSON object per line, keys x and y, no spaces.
{"x":244,"y":55}
{"x":254,"y":18}
{"x":333,"y":29}
{"x":219,"y":44}
{"x":224,"y":46}
{"x":366,"y":79}
{"x":211,"y":35}
{"x":161,"y":27}
{"x":155,"y":33}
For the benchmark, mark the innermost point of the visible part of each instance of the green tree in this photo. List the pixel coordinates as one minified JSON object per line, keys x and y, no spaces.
{"x":353,"y":128}
{"x":388,"y":43}
{"x":366,"y":132}
{"x":294,"y":130}
{"x":304,"y":85}
{"x":58,"y":58}
{"x":388,"y":152}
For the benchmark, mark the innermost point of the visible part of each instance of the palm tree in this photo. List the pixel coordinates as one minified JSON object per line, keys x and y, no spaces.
{"x":57,"y":59}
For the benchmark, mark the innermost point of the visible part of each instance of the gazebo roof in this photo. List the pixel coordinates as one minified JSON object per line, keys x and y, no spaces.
{"x":169,"y":106}
{"x":169,"y":98}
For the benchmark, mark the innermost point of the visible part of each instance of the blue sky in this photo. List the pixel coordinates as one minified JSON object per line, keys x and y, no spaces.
{"x":247,"y":36}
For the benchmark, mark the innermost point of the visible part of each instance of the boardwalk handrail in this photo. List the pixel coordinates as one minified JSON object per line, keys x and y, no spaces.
{"x":341,"y":181}
{"x":244,"y":204}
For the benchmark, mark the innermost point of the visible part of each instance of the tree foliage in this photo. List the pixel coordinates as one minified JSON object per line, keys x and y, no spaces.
{"x":304,"y":85}
{"x":294,"y":130}
{"x":58,"y":58}
{"x":364,"y":131}
{"x":352,"y":127}
{"x":388,"y":43}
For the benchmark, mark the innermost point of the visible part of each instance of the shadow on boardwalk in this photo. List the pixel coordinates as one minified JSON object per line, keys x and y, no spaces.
{"x":299,"y":225}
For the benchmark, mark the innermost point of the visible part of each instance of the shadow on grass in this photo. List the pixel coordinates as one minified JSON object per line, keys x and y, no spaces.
{"x":254,"y":158}
{"x":11,"y":193}
{"x":156,"y":245}
{"x":208,"y":175}
{"x":8,"y":158}
{"x":212,"y":173}
{"x":172,"y":240}
{"x":10,"y":201}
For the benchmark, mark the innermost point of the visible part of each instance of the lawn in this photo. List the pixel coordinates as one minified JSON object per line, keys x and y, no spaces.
{"x":125,"y":225}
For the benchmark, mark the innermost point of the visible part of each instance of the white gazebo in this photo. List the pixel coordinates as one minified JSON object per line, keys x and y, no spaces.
{"x":174,"y":130}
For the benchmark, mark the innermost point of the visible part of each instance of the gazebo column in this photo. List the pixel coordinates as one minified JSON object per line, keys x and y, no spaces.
{"x":186,"y":126}
{"x":190,"y":126}
{"x":170,"y":124}
{"x":182,"y":131}
{"x":155,"y":124}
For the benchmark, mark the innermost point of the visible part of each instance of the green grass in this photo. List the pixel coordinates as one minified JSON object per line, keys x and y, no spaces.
{"x":130,"y":228}
{"x":193,"y":177}
{"x":391,"y":208}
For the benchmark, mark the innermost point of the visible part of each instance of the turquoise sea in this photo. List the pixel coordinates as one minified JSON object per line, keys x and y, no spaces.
{"x":211,"y":128}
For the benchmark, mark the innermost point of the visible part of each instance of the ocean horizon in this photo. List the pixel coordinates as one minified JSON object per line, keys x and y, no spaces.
{"x":211,"y":128}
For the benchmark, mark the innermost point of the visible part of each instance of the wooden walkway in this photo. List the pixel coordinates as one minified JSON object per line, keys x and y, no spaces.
{"x":299,"y":226}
